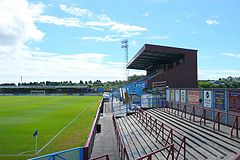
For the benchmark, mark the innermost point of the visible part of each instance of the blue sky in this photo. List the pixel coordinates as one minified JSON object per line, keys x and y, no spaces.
{"x":80,"y":40}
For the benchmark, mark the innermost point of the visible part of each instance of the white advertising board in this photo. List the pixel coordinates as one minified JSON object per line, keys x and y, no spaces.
{"x":177,"y":95}
{"x":207,"y":99}
{"x":183,"y":96}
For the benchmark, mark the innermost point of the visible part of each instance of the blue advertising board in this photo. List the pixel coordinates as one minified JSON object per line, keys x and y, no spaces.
{"x":219,"y":99}
{"x":136,"y":88}
{"x":100,"y":89}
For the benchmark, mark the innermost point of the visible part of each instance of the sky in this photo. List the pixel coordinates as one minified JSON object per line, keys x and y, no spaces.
{"x":75,"y":40}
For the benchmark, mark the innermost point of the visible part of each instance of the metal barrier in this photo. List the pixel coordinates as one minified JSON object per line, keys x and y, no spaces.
{"x":153,"y":125}
{"x":100,"y":157}
{"x":70,"y":154}
{"x":237,"y":157}
{"x":171,"y":151}
{"x":121,"y":145}
{"x":90,"y":141}
{"x":203,"y":112}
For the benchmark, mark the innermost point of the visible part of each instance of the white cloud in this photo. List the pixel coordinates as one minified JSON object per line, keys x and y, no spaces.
{"x":193,"y":32}
{"x":17,"y":24}
{"x":99,"y":22}
{"x":218,"y":73}
{"x":212,"y":22}
{"x":232,"y":55}
{"x":107,"y":38}
{"x":18,"y":28}
{"x":43,"y":66}
{"x":110,"y":38}
{"x":76,"y":11}
{"x":159,"y":37}
{"x":89,"y":20}
{"x":134,"y":43}
{"x":37,"y":48}
{"x":146,"y":14}
{"x":68,"y":22}
{"x":177,"y":21}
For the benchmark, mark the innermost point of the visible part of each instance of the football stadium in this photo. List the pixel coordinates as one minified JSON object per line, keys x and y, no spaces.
{"x":158,"y":116}
{"x":69,"y":92}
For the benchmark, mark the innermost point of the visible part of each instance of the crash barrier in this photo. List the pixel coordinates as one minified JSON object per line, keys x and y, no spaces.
{"x":193,"y":110}
{"x":237,"y":157}
{"x":163,"y":134}
{"x":120,"y":143}
{"x":105,"y":156}
{"x":170,"y":148}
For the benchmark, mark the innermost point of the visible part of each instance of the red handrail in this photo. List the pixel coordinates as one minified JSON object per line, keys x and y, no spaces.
{"x":236,"y":127}
{"x":192,"y":114}
{"x":217,"y":119}
{"x":100,"y":157}
{"x":121,"y":144}
{"x":150,"y":119}
{"x":203,"y":117}
{"x":237,"y":157}
{"x":149,"y":156}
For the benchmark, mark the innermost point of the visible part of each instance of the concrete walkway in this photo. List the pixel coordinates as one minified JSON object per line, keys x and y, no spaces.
{"x":105,"y":142}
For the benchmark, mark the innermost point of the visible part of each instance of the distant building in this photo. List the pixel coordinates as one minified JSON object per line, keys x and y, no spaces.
{"x":176,"y":66}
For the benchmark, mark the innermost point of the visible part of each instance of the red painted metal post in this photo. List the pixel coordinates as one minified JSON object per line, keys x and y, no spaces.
{"x":203,"y":116}
{"x":172,"y":149}
{"x":237,"y":126}
{"x":178,"y":108}
{"x":185,"y":111}
{"x":156,"y":126}
{"x":218,"y":121}
{"x":184,"y":149}
{"x":193,"y":114}
{"x":146,"y":120}
{"x":162,"y":131}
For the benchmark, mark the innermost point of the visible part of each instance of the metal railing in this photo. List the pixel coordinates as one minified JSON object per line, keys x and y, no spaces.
{"x":90,"y":141}
{"x":237,"y":157}
{"x":101,"y":157}
{"x":120,"y":143}
{"x":163,"y":131}
{"x":171,"y":152}
{"x":217,"y":115}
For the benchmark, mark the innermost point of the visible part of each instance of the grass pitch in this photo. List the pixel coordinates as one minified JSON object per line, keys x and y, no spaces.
{"x":20,"y":116}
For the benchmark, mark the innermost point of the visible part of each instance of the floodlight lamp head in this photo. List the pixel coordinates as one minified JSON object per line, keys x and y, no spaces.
{"x":124,"y":41}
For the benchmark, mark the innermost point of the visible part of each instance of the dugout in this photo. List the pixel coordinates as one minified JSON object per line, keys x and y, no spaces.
{"x":176,"y":66}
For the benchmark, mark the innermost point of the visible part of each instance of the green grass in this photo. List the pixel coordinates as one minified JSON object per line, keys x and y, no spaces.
{"x":20,"y":116}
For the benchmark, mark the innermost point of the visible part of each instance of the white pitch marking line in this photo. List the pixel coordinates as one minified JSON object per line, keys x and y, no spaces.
{"x":63,"y":129}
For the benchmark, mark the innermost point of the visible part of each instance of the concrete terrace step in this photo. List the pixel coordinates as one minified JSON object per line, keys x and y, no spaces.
{"x":150,"y":144}
{"x":203,"y":142}
{"x":138,"y":141}
{"x":177,"y":139}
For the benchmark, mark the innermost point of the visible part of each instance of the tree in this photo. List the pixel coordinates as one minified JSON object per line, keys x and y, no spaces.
{"x":81,"y":82}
